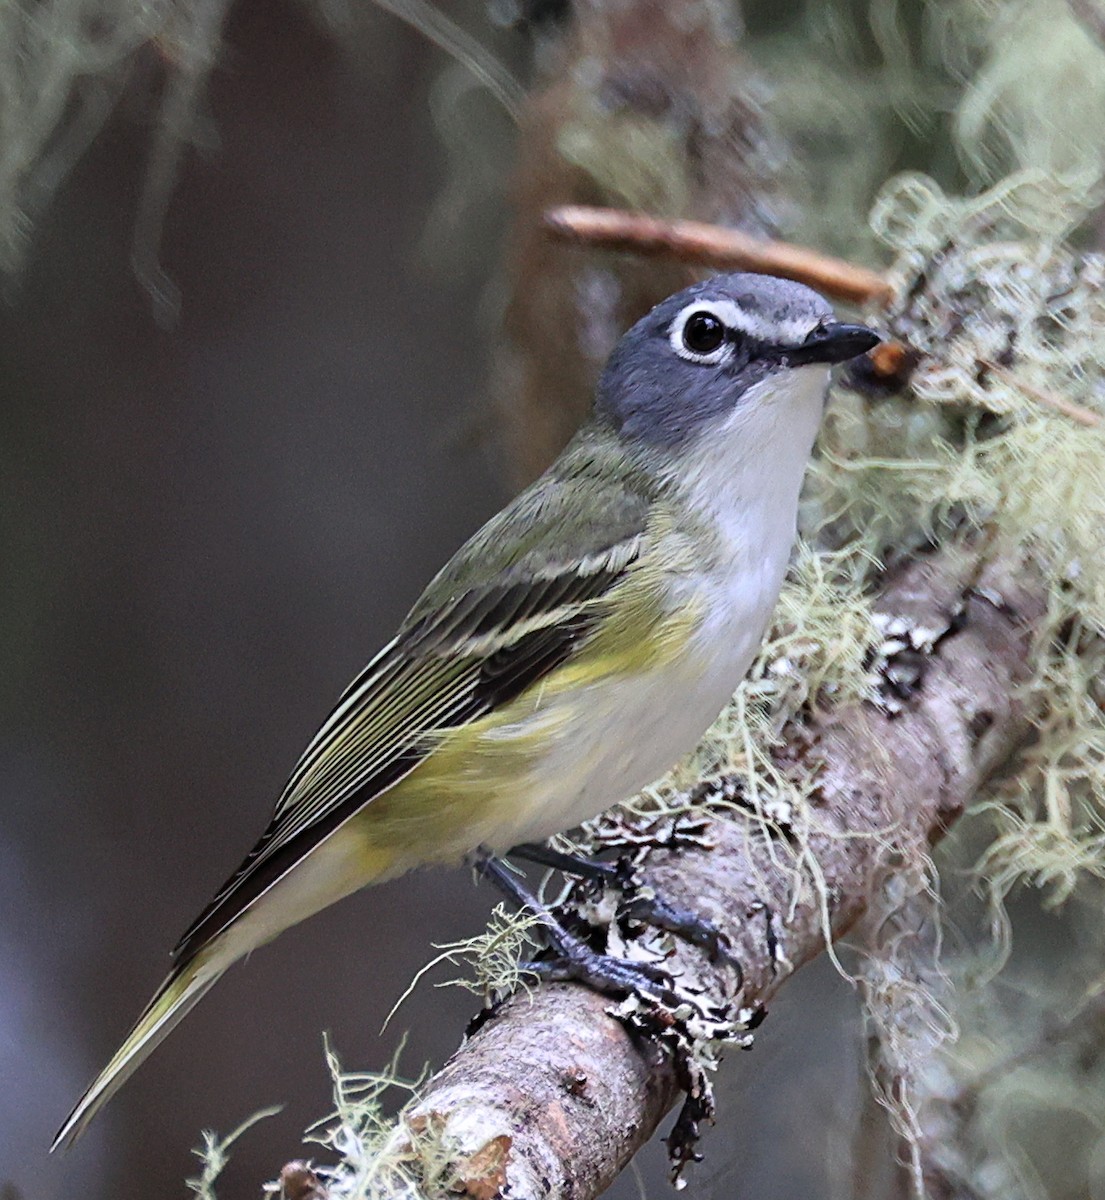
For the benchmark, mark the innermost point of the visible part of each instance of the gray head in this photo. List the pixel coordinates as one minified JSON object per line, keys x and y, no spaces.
{"x":698,"y":353}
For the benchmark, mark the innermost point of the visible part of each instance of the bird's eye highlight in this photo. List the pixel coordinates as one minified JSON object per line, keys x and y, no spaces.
{"x":703,"y":333}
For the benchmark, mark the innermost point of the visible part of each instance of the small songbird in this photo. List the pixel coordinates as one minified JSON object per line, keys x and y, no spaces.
{"x":572,"y":650}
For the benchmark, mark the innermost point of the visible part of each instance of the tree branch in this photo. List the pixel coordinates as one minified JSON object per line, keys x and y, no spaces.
{"x":717,"y":246}
{"x":552,"y":1096}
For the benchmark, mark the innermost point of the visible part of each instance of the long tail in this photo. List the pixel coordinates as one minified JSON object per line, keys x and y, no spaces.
{"x":176,"y":996}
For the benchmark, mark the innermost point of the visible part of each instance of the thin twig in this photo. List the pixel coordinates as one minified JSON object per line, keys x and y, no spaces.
{"x":1084,"y":416}
{"x":698,"y":242}
{"x":695,"y":241}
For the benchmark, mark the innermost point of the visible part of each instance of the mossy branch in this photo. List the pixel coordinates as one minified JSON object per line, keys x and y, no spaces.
{"x":552,"y":1096}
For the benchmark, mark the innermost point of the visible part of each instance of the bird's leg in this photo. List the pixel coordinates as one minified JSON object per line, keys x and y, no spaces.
{"x":637,"y":904}
{"x":569,"y":864}
{"x":572,"y":958}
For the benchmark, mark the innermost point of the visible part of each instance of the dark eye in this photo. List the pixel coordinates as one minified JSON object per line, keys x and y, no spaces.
{"x":703,"y":333}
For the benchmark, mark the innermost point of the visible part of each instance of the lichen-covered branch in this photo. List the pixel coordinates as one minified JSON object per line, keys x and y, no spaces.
{"x":552,"y":1096}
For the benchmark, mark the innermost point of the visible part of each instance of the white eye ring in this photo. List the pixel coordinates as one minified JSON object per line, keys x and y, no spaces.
{"x":720,"y":311}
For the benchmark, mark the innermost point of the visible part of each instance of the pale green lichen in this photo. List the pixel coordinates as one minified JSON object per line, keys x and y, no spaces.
{"x":491,"y":963}
{"x":214,"y":1154}
{"x":378,"y":1154}
{"x":374,"y":1154}
{"x":1006,"y":291}
{"x":1002,"y":308}
{"x":63,"y":65}
{"x":909,"y":1001}
{"x":1006,"y":312}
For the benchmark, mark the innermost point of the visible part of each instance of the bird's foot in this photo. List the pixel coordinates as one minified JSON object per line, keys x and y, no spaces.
{"x":569,"y":957}
{"x":637,"y":900}
{"x":671,"y":1011}
{"x":573,"y":961}
{"x":654,"y":910}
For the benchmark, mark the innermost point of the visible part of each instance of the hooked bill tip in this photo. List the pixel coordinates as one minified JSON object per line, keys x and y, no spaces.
{"x":833,"y":342}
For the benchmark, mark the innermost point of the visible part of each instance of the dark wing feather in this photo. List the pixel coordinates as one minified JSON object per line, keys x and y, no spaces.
{"x":448,"y":666}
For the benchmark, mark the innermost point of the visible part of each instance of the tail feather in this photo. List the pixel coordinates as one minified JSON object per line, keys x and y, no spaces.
{"x":326,"y":872}
{"x":183,"y":988}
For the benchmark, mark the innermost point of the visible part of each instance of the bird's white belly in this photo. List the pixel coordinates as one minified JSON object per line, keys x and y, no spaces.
{"x":625,"y":734}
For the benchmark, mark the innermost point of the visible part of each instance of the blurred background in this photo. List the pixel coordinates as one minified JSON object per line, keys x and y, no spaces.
{"x":211,"y":517}
{"x":206,"y":529}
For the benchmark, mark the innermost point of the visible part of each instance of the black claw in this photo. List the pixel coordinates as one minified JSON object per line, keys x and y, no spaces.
{"x":682,"y":1142}
{"x":699,"y":931}
{"x":658,"y":1015}
{"x":759,"y":1014}
{"x":568,"y":864}
{"x":770,"y":937}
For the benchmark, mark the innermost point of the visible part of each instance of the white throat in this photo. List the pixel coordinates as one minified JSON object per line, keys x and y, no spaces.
{"x":742,"y":480}
{"x":746,"y":471}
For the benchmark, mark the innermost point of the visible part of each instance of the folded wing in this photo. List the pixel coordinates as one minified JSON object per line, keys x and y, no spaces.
{"x":456,"y":658}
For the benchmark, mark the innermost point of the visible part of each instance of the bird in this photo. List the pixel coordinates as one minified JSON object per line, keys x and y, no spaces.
{"x":574,"y":648}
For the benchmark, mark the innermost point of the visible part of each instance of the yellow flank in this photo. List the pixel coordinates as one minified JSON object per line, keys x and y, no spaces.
{"x":539,"y":763}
